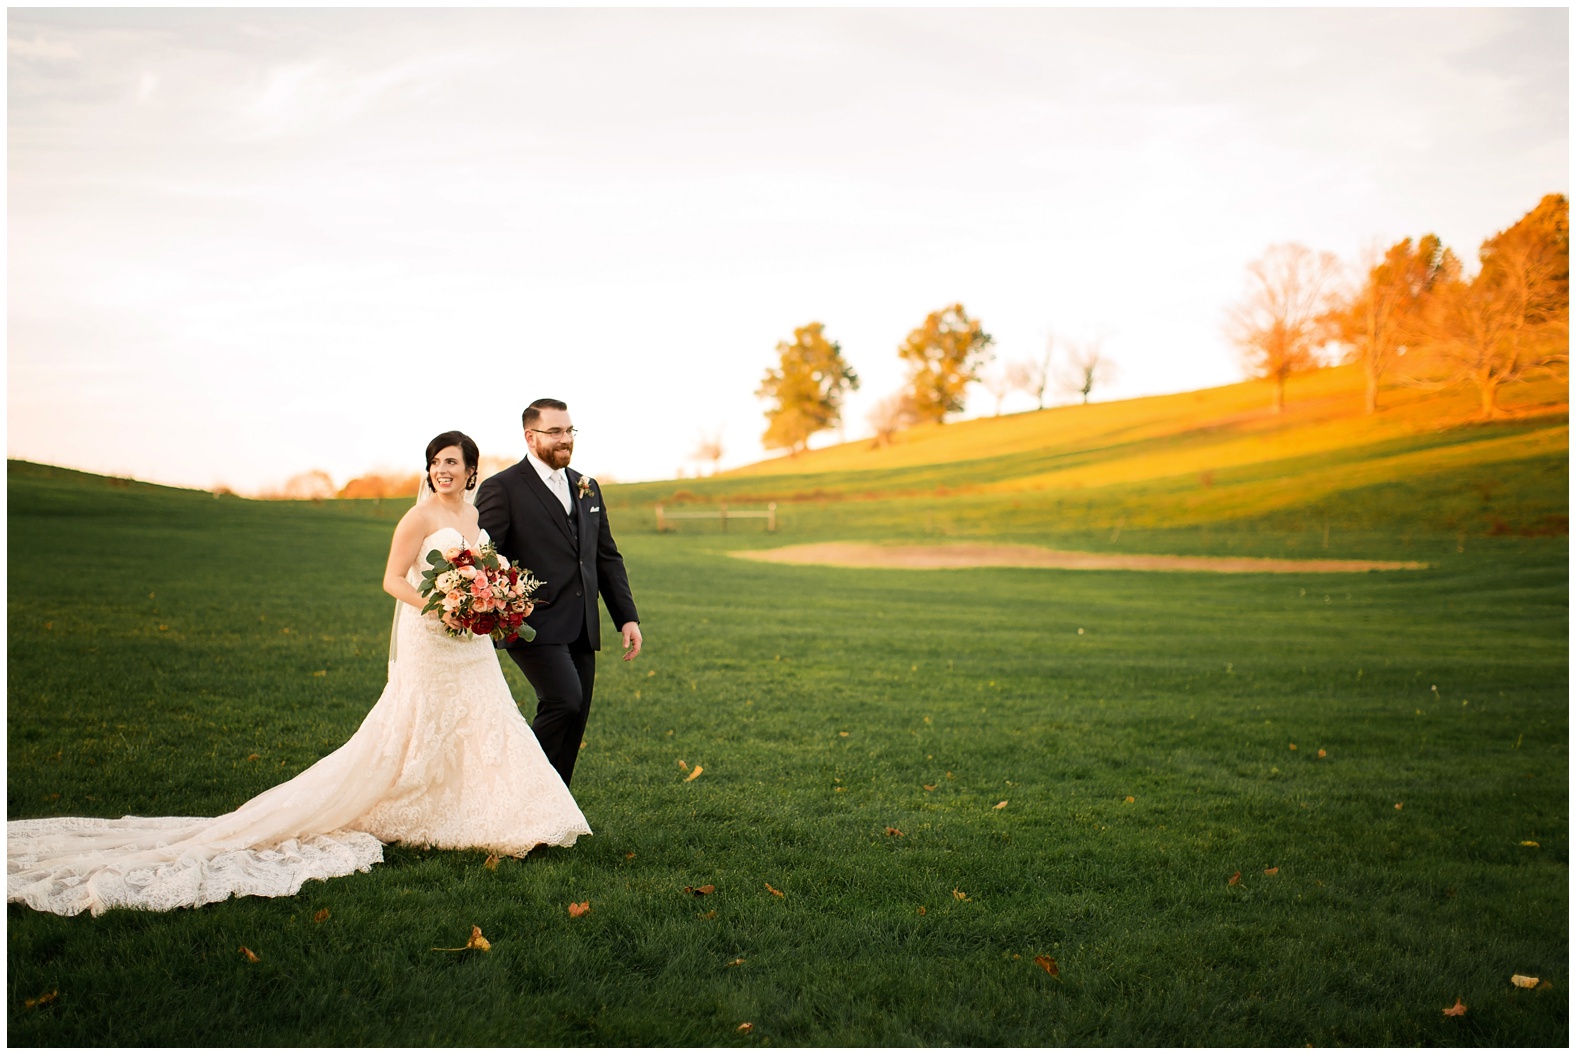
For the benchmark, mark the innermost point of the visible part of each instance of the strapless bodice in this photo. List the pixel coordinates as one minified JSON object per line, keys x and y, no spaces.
{"x":442,"y":538}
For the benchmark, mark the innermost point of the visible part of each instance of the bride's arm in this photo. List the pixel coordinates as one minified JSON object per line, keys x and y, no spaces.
{"x":402,"y":554}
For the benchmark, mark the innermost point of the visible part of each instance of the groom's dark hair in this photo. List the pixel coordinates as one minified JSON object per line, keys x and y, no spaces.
{"x":534,"y":411}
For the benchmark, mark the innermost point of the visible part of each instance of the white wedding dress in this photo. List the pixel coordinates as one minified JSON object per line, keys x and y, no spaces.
{"x":444,"y":759}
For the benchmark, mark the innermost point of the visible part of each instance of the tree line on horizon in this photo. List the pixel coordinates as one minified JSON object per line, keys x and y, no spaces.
{"x":1409,"y":315}
{"x":942,"y":357}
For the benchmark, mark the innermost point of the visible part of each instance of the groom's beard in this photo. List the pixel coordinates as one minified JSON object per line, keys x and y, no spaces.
{"x":556,"y":457}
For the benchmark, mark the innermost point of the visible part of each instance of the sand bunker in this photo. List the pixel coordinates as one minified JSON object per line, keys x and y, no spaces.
{"x":963,"y":555}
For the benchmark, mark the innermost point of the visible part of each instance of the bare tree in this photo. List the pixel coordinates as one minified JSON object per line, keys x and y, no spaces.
{"x":1086,"y":366}
{"x":892,"y":414}
{"x":1033,"y":376}
{"x":1278,"y":324}
{"x":999,"y":385}
{"x":709,"y":449}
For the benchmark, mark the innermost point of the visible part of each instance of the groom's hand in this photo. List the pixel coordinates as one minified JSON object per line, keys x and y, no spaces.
{"x":631,"y":632}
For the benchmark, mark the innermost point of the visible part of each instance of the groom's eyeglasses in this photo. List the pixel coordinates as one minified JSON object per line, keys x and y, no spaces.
{"x":555,"y":433}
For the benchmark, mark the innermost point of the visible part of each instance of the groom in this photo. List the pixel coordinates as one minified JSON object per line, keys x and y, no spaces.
{"x":544,"y":516}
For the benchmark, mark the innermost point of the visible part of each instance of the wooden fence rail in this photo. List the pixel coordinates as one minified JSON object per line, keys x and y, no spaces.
{"x":722,"y":513}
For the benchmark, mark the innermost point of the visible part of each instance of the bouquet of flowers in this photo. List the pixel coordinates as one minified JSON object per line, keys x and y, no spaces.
{"x":478,"y":592}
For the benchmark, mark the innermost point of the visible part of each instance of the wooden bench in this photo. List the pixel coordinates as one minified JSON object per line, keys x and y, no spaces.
{"x":722,"y":513}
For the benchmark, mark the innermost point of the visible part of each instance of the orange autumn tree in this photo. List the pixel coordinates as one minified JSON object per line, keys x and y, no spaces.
{"x":1386,"y":314}
{"x":805,"y":389}
{"x":1511,"y":322}
{"x":944,"y":357}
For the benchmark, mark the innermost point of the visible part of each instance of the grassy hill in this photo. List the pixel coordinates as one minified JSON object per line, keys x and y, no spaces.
{"x":1204,"y":471}
{"x":1242,"y":810}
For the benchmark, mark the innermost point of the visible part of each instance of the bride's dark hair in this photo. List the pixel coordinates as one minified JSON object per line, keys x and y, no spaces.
{"x":468,"y":450}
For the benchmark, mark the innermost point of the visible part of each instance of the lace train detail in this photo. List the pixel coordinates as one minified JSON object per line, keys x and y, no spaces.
{"x":444,"y":759}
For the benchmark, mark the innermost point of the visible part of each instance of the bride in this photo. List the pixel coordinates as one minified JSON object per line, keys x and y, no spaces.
{"x":444,"y":759}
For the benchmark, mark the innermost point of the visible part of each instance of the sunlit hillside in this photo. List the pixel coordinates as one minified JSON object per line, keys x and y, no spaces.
{"x":1424,"y":463}
{"x":1200,"y":431}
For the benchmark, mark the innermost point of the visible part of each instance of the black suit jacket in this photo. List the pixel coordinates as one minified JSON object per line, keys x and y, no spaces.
{"x":526,"y":522}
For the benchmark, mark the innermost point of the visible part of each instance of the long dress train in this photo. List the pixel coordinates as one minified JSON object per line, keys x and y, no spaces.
{"x":444,"y":759}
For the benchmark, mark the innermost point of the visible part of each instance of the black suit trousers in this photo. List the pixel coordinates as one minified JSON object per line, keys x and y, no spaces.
{"x":563,"y":677}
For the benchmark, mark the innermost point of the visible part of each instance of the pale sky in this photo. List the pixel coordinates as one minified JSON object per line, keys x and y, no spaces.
{"x":247,"y":243}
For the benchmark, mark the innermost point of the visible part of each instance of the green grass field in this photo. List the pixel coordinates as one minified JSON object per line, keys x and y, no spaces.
{"x":1138,"y":727}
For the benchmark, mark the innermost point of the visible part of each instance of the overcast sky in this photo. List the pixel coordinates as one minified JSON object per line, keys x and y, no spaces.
{"x":247,"y":243}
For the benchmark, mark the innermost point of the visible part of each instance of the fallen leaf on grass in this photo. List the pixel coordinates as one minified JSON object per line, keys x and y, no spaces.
{"x":745,"y":1027}
{"x":1321,"y":752}
{"x":683,"y":765}
{"x":774,"y":891}
{"x":491,"y":864}
{"x":706,"y":915}
{"x":960,"y":895}
{"x":735,"y":963}
{"x":922,"y":910}
{"x":1398,"y":805}
{"x":894,"y":831}
{"x":1049,"y":963}
{"x":1271,"y":871}
{"x":1528,"y":842}
{"x":1457,"y":1011}
{"x":701,"y":891}
{"x":1545,"y":984}
{"x":1129,"y":799}
{"x":40,"y":1001}
{"x":929,"y":787}
{"x":320,"y":674}
{"x":692,"y":776}
{"x":1292,"y":746}
{"x":630,"y":856}
{"x":1523,"y":981}
{"x":251,"y":957}
{"x":579,"y":908}
{"x":477,"y":942}
{"x":253,"y":758}
{"x":320,"y":916}
{"x":1000,"y":805}
{"x":1236,"y":877}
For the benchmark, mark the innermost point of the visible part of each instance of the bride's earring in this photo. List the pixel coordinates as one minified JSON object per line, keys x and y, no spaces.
{"x":470,"y":485}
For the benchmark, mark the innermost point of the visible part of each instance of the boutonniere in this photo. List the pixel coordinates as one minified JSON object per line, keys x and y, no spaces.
{"x":585,"y":485}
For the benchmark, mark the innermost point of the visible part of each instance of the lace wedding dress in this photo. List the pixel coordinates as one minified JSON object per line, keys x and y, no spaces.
{"x":444,"y":759}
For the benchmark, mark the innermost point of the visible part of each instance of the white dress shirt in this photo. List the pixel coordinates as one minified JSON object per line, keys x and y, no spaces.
{"x":557,"y":480}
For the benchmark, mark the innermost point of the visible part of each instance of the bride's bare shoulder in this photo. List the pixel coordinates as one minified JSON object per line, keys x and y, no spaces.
{"x":417,"y":521}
